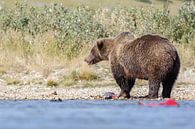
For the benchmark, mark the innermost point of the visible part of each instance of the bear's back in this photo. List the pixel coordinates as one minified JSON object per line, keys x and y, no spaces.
{"x":149,"y":45}
{"x":146,"y":55}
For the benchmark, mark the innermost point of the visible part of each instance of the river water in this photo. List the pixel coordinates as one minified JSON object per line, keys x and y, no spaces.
{"x":94,"y":114}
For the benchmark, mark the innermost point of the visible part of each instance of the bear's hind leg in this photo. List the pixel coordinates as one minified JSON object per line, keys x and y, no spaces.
{"x":168,"y":83}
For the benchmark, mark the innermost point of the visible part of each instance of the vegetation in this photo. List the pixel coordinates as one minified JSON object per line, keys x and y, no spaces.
{"x":77,"y":76}
{"x":73,"y":28}
{"x":52,"y":83}
{"x":53,"y":34}
{"x":12,"y":81}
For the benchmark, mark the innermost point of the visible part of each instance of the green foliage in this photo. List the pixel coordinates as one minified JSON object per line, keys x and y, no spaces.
{"x":52,"y":83}
{"x":72,"y":28}
{"x":183,"y":28}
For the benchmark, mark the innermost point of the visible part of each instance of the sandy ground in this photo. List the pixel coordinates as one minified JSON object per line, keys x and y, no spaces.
{"x":31,"y":87}
{"x":181,"y":92}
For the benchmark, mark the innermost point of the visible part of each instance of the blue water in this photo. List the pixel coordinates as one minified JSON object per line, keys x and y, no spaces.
{"x":90,"y":114}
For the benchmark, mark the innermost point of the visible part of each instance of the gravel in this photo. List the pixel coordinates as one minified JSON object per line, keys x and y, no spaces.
{"x":33,"y":86}
{"x":62,"y":93}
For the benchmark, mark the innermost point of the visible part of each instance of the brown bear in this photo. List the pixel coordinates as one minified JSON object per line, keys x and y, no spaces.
{"x":149,"y":57}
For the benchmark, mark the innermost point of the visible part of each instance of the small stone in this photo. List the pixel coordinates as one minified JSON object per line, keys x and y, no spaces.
{"x":109,"y":95}
{"x":55,"y":93}
{"x":56,"y":100}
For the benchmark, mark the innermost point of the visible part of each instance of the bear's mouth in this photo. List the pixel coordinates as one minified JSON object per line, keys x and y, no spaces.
{"x":89,"y":62}
{"x":92,"y":61}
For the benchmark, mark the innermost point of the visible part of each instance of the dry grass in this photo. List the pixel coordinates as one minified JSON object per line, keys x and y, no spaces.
{"x":174,"y":5}
{"x":3,"y":70}
{"x":12,"y":81}
{"x":52,"y":83}
{"x":39,"y":53}
{"x":78,"y":73}
{"x":42,"y":54}
{"x":43,"y":57}
{"x":187,"y":55}
{"x":141,"y":82}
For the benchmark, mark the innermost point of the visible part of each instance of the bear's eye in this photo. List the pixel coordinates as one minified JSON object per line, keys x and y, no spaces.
{"x":100,"y":45}
{"x":92,"y":50}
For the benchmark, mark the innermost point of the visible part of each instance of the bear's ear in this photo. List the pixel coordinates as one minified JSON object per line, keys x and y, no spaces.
{"x":100,"y":44}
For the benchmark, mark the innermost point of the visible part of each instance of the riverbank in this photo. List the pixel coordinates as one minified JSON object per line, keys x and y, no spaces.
{"x":59,"y":84}
{"x":31,"y":92}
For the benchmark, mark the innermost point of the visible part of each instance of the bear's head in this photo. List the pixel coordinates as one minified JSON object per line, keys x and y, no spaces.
{"x":100,"y":51}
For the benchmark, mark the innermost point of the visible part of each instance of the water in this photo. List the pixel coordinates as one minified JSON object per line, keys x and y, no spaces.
{"x":90,"y":114}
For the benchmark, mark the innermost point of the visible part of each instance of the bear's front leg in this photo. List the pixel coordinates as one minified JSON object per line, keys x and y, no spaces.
{"x":125,"y":84}
{"x":153,"y":88}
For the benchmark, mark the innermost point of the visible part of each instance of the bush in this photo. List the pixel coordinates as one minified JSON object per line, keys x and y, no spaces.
{"x":183,"y":27}
{"x":52,"y":83}
{"x":72,"y":28}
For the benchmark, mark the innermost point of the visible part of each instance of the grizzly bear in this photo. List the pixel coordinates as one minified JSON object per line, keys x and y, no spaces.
{"x":149,"y":57}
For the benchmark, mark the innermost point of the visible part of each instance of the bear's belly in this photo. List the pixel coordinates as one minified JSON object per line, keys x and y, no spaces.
{"x":135,"y":74}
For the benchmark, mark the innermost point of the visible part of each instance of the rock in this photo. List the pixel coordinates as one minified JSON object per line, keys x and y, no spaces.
{"x":110,"y":95}
{"x":55,"y":93}
{"x":56,"y":100}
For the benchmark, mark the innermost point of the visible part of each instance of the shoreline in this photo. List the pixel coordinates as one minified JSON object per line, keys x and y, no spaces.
{"x":40,"y":92}
{"x":34,"y":86}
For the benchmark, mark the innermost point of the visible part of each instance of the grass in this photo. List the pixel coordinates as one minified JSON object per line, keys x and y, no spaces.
{"x":88,"y":76}
{"x":182,"y":84}
{"x":41,"y":56}
{"x":174,"y":5}
{"x":139,"y":82}
{"x":52,"y":83}
{"x":78,"y":76}
{"x":46,"y":51}
{"x":79,"y":73}
{"x":67,"y":82}
{"x":187,"y":55}
{"x":12,"y":81}
{"x":3,"y":70}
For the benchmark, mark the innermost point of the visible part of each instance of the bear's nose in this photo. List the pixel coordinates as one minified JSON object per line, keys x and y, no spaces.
{"x":86,"y":60}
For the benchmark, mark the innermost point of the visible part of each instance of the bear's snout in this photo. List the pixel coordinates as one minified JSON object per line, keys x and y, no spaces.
{"x":88,"y":61}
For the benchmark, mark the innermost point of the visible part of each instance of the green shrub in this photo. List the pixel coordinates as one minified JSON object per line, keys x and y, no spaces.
{"x":183,"y":27}
{"x":52,"y":83}
{"x":72,"y":28}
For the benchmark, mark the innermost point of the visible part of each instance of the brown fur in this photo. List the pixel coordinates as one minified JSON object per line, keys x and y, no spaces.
{"x":150,"y":57}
